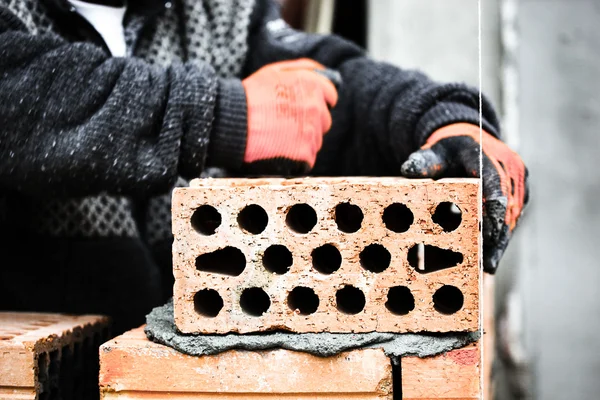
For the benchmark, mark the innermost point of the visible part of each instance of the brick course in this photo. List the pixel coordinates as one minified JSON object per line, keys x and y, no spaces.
{"x":50,"y":356}
{"x":132,"y":367}
{"x":229,"y":267}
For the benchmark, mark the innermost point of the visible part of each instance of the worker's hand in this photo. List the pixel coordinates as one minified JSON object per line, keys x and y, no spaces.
{"x":454,"y":151}
{"x":288,"y":114}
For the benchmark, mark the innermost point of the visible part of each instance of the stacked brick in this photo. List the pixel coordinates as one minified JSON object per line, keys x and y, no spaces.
{"x":314,"y":255}
{"x":132,"y":367}
{"x":50,"y":356}
{"x":326,"y":255}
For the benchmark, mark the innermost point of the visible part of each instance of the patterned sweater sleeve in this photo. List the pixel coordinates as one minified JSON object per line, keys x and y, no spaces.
{"x":76,"y":121}
{"x":384,"y":112}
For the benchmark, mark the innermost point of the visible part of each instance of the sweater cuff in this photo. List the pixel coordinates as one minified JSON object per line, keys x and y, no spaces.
{"x":447,"y":113}
{"x":228,"y":138}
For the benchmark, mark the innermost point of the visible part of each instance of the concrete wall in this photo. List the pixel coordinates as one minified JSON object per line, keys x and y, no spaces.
{"x":439,"y":37}
{"x":550,"y":99}
{"x":559,"y":63}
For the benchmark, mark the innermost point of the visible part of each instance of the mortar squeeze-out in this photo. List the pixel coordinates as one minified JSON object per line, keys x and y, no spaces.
{"x":327,"y":255}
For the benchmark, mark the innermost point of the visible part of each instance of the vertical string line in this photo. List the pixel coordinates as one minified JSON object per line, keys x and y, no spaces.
{"x":480,"y":210}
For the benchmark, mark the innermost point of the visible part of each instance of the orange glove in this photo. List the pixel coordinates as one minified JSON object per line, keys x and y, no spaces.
{"x":454,"y":151}
{"x":288,"y":114}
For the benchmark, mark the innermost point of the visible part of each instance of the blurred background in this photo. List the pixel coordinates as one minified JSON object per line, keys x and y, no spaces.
{"x":541,"y":69}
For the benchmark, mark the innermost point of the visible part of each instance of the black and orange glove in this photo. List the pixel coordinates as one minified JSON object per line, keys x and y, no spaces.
{"x":288,"y":114}
{"x":454,"y":151}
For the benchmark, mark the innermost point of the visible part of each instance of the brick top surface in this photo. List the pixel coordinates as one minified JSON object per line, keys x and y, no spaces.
{"x":392,"y":255}
{"x":31,"y":329}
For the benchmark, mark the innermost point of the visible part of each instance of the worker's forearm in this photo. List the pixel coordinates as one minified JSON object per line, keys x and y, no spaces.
{"x":76,"y":120}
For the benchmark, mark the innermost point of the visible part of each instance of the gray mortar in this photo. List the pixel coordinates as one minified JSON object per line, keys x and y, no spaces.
{"x":161,"y":329}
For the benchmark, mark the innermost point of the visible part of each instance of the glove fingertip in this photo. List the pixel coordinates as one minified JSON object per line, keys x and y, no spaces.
{"x":423,"y":164}
{"x":490,"y":265}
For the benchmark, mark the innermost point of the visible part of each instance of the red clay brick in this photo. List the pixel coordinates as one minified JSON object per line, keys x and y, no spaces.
{"x":193,"y":227}
{"x":455,"y":375}
{"x":49,"y":356}
{"x":132,"y":367}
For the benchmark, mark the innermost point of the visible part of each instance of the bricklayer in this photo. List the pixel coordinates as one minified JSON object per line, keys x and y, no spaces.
{"x":377,"y":231}
{"x":132,"y":367}
{"x":50,"y":356}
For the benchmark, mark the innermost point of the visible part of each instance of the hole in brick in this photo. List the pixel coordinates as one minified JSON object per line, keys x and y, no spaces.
{"x":5,"y":337}
{"x":54,"y":363}
{"x":227,"y":261}
{"x":397,"y":217}
{"x":42,"y":366}
{"x":375,"y":258}
{"x":304,"y":300}
{"x":301,"y":218}
{"x":66,"y":376}
{"x":326,"y":259}
{"x":348,"y":217}
{"x":447,"y":215}
{"x":400,"y":300}
{"x":278,"y":259}
{"x":350,"y":300}
{"x":206,"y":219}
{"x":427,"y":258}
{"x":255,"y":301}
{"x":253,"y":219}
{"x":208,"y":303}
{"x":448,"y":300}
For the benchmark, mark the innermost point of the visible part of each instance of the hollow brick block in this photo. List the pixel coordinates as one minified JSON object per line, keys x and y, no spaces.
{"x":455,"y":375}
{"x":50,"y":356}
{"x":132,"y":367}
{"x":198,"y":233}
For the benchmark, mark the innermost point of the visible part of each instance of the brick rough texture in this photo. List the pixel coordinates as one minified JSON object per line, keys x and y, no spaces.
{"x":454,"y":375}
{"x":217,"y":278}
{"x":50,"y":356}
{"x":132,"y":367}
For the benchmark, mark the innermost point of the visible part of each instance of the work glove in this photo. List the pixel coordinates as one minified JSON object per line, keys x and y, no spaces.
{"x":288,"y":113}
{"x":454,"y":151}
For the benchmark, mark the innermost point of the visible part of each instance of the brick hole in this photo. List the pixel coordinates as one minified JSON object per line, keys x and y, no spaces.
{"x":427,"y":258}
{"x":400,"y":300}
{"x":348,"y":217}
{"x":54,"y":367}
{"x":398,"y":218}
{"x":66,"y":375}
{"x":350,"y":300}
{"x":447,"y":215}
{"x":227,"y":261}
{"x":206,"y":219}
{"x":375,"y":258}
{"x":277,"y":259}
{"x":448,"y":300}
{"x":78,"y":371}
{"x":303,"y":299}
{"x":326,"y":259}
{"x":43,"y":363}
{"x":255,"y":301}
{"x":301,"y":218}
{"x":208,"y":303}
{"x":6,"y":337}
{"x":253,"y":219}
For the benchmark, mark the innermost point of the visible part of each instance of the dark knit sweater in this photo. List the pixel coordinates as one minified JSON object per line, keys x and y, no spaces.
{"x":77,"y":122}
